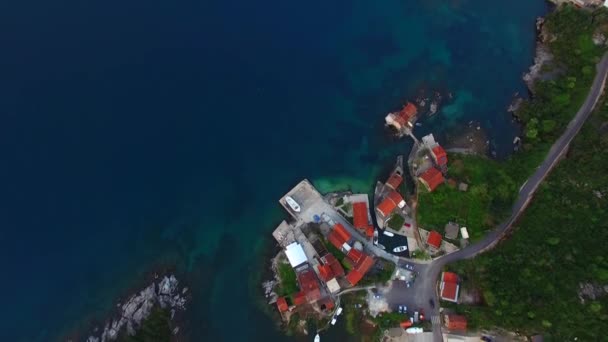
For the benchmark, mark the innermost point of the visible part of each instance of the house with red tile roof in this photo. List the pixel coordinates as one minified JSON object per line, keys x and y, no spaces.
{"x":342,"y":232}
{"x":325,"y":272}
{"x":282,"y":304}
{"x":449,"y":277}
{"x":455,"y":322}
{"x":397,"y":198}
{"x":364,"y":264}
{"x":434,"y":239}
{"x":394,"y":181}
{"x":439,"y":155}
{"x":339,"y":236}
{"x":360,"y":215}
{"x":449,"y":287}
{"x":431,"y":178}
{"x":354,"y":255}
{"x":369,"y":231}
{"x":386,"y":207}
{"x":299,"y":298}
{"x":336,"y":268}
{"x":309,"y":285}
{"x":408,"y":113}
{"x":404,"y":118}
{"x":388,"y":204}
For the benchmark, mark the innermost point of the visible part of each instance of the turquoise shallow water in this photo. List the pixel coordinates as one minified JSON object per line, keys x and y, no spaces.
{"x":137,"y":134}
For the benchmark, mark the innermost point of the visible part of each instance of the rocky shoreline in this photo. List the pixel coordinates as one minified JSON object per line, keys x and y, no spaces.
{"x":165,"y":293}
{"x":542,"y":57}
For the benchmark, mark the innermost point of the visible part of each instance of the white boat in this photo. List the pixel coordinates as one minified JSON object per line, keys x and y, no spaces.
{"x":292,"y":203}
{"x":387,"y":233}
{"x":317,"y":338}
{"x":334,"y":320}
{"x":375,"y":237}
{"x":339,"y":311}
{"x":400,"y":249}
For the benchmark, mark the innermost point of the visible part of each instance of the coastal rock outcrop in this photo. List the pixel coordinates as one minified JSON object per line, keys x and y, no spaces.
{"x":542,"y":57}
{"x":139,"y":306}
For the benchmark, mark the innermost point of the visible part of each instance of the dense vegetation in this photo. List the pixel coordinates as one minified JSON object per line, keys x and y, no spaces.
{"x":493,"y":185}
{"x":532,"y":282}
{"x":487,"y":200}
{"x":155,"y":328}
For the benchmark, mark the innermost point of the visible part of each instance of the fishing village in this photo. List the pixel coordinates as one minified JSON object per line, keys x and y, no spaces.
{"x":371,"y":249}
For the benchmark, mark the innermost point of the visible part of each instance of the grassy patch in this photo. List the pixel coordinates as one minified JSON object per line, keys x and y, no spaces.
{"x":289,"y":282}
{"x":396,"y":222}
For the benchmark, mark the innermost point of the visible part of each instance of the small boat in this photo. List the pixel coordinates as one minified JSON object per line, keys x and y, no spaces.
{"x":376,"y":237}
{"x":293,"y":204}
{"x":317,"y":338}
{"x":339,"y":311}
{"x":400,"y":249}
{"x":334,"y":320}
{"x":387,"y":233}
{"x":381,"y":246}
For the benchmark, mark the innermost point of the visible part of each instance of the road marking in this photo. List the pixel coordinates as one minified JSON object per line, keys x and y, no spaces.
{"x":435,"y":320}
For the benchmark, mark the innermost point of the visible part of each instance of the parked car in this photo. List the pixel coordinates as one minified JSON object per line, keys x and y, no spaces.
{"x":407,"y":224}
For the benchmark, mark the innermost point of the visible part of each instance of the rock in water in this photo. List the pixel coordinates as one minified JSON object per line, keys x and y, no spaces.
{"x":138,"y":307}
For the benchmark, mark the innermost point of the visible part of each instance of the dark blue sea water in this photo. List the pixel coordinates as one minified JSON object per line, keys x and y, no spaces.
{"x":142,"y":133}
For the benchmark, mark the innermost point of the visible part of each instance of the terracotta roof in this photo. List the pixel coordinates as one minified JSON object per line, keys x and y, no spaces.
{"x":365,"y":264}
{"x":408,"y":111}
{"x":432,"y":178}
{"x":307,"y":280}
{"x":325,"y":272}
{"x":449,"y":291}
{"x":341,"y":231}
{"x":434,"y":239}
{"x":299,"y":298}
{"x":282,"y":304}
{"x":335,"y":240}
{"x":386,"y":206}
{"x":354,"y":255}
{"x":360,"y":269}
{"x":369,"y":231}
{"x":449,"y":277}
{"x":336,"y":268}
{"x":395,"y":197}
{"x":360,"y":215}
{"x":440,"y":156}
{"x":394,"y":180}
{"x":353,"y":277}
{"x":456,"y":322}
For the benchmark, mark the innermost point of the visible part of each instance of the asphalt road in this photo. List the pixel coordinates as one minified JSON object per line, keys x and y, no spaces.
{"x":425,"y":289}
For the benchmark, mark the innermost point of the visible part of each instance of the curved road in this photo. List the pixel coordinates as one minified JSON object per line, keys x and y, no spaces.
{"x":559,"y":148}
